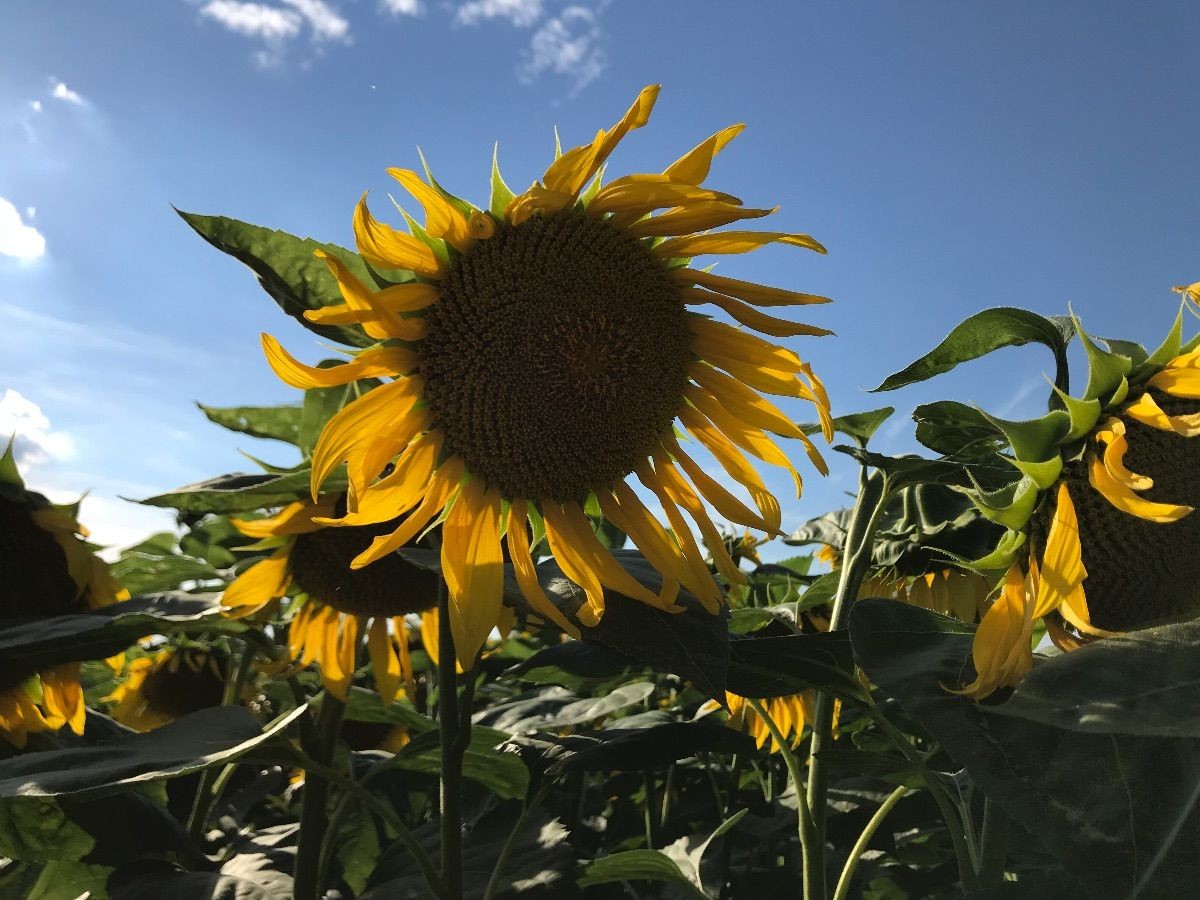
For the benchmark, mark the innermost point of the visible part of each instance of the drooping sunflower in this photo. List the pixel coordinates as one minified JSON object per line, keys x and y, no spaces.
{"x":540,"y":355}
{"x":789,"y":713}
{"x":1101,"y":533}
{"x":338,"y":605}
{"x":167,"y":684}
{"x":46,"y":569}
{"x":951,"y":592}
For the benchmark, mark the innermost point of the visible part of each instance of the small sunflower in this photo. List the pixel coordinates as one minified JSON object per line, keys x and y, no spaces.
{"x":951,"y":592}
{"x":1101,"y":538}
{"x":339,"y":604}
{"x":167,"y":684}
{"x":790,"y":714}
{"x":46,"y":569}
{"x":541,"y":353}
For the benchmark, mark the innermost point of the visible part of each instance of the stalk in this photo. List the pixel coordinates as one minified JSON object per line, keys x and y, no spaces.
{"x":860,"y":846}
{"x":453,"y":746}
{"x":313,"y":820}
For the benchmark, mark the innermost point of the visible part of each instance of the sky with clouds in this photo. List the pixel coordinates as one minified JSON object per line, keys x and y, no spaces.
{"x":951,"y":155}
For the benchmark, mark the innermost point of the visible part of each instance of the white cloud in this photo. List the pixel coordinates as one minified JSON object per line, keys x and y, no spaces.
{"x":568,"y":45}
{"x":31,"y":212}
{"x":64,"y":93}
{"x":522,"y":13}
{"x":402,"y":7}
{"x":16,"y":238}
{"x":35,"y":105}
{"x":36,"y":441}
{"x":278,"y":25}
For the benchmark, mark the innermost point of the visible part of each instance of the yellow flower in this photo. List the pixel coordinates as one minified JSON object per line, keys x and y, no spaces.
{"x":340,"y":604}
{"x":46,"y":570}
{"x":950,"y":592}
{"x":1099,"y":560}
{"x":541,"y":354}
{"x":167,"y":684}
{"x":789,"y":714}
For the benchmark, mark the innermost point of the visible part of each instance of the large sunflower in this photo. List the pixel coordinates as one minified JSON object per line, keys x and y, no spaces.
{"x":540,"y":356}
{"x":338,"y":605}
{"x":46,"y":570}
{"x":1102,"y":535}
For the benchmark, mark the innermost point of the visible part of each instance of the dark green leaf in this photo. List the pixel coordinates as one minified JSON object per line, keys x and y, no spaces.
{"x":145,"y":574}
{"x":955,"y":429}
{"x":240,"y":492}
{"x":576,"y":665}
{"x":979,"y":335}
{"x":779,"y":666}
{"x":503,"y":773}
{"x":160,"y":882}
{"x":280,"y":423}
{"x":638,"y":865}
{"x":209,"y":737}
{"x":857,"y":426}
{"x":367,"y":706}
{"x":636,"y":749}
{"x":287,"y":269}
{"x":1104,"y":804}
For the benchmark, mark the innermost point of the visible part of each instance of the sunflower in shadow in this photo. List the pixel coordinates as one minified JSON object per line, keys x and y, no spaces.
{"x":337,"y":605}
{"x":1102,"y":537}
{"x":541,"y":352}
{"x":47,"y":569}
{"x":167,"y":684}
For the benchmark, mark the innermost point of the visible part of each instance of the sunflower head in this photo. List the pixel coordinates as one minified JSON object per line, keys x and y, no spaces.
{"x":544,"y":351}
{"x":169,"y":684}
{"x":1101,"y":533}
{"x":46,"y":569}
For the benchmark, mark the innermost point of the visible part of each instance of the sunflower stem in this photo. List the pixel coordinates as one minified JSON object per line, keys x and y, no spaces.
{"x":450,"y":731}
{"x":873,"y":494}
{"x":313,"y":819}
{"x":993,"y":845}
{"x":860,"y":846}
{"x":814,"y":879}
{"x":206,"y":793}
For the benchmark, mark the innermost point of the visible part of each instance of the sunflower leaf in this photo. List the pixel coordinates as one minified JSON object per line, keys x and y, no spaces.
{"x":242,"y":492}
{"x":956,"y":429}
{"x":502,"y":773}
{"x":287,"y":269}
{"x":859,"y":427}
{"x":279,"y":423}
{"x":638,"y":865}
{"x":780,"y":666}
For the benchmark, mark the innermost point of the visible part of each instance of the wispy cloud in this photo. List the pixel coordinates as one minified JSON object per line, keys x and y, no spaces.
{"x":36,"y":442}
{"x":277,"y":25}
{"x":35,"y":105}
{"x":18,"y":239}
{"x":402,"y":7}
{"x":60,"y":91}
{"x":567,"y":45}
{"x":522,"y":13}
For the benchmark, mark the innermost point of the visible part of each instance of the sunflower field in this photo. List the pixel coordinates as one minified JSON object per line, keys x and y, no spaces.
{"x":462,"y":643}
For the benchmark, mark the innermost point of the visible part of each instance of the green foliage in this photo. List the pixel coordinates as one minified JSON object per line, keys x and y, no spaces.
{"x":279,"y":423}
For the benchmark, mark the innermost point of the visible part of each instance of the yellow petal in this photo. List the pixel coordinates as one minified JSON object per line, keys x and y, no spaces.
{"x":574,"y":566}
{"x":699,"y":216}
{"x":385,"y":664}
{"x":536,"y":199}
{"x":1178,"y":382}
{"x":337,"y":669}
{"x":399,"y":298}
{"x":1191,"y":291}
{"x":295,"y":518}
{"x":263,"y":582}
{"x":62,"y":695}
{"x":678,"y":556}
{"x":1124,"y":499}
{"x":362,"y":470}
{"x":1002,"y":648}
{"x":693,"y":166}
{"x":1061,"y":571}
{"x":567,"y":174}
{"x":473,"y":565}
{"x":518,"y":550}
{"x":758,"y":294}
{"x":442,"y":486}
{"x":682,"y":495}
{"x":442,"y":220}
{"x":752,"y":318}
{"x":377,"y":320}
{"x":735,"y":465}
{"x":716,"y":341}
{"x":715,"y":493}
{"x":401,"y":490}
{"x":384,"y":247}
{"x":354,"y":428}
{"x":374,"y":363}
{"x":742,"y":402}
{"x":1147,"y":411}
{"x":644,"y":197}
{"x":731,"y":242}
{"x":1116,"y":446}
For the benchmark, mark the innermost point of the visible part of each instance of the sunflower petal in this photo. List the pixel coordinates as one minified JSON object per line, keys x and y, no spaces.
{"x":682,"y":495}
{"x":643,"y":197}
{"x":758,"y":294}
{"x":752,"y":318}
{"x":442,"y":486}
{"x":473,"y":566}
{"x":517,"y":536}
{"x":401,"y":490}
{"x":731,"y":242}
{"x":1116,"y":446}
{"x":384,"y":662}
{"x":716,"y":341}
{"x":263,"y":582}
{"x":693,"y":166}
{"x":1147,"y":411}
{"x":571,"y":561}
{"x":384,"y":247}
{"x":713,"y":491}
{"x":1124,"y":499}
{"x":295,"y":518}
{"x":736,"y":465}
{"x":373,"y":363}
{"x":698,"y":216}
{"x":742,"y":402}
{"x":442,"y":220}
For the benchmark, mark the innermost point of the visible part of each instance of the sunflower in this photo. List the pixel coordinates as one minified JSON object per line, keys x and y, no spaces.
{"x":46,"y":570}
{"x":1101,"y":538}
{"x":540,"y":353}
{"x":338,"y":605}
{"x":170,"y":683}
{"x":951,"y":592}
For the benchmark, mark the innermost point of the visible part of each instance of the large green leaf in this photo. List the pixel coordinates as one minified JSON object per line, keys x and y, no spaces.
{"x":280,"y":423}
{"x":637,"y":749}
{"x":956,"y":429}
{"x":638,"y":865}
{"x":287,"y":269}
{"x":1118,"y":811}
{"x":1004,"y":326}
{"x":857,"y":426}
{"x":241,"y":492}
{"x":1143,"y":683}
{"x":143,"y":573}
{"x":576,"y":665}
{"x":31,"y":645}
{"x":779,"y":666}
{"x":213,"y":736}
{"x":502,"y":773}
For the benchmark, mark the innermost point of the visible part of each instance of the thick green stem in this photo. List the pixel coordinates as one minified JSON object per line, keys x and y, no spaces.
{"x":206,"y":795}
{"x":860,"y":846}
{"x":814,"y":880}
{"x":648,"y":806}
{"x":453,"y":746}
{"x":993,"y":850}
{"x":313,"y":819}
{"x":857,"y":554}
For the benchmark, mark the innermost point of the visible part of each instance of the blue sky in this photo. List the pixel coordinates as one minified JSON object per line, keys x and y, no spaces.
{"x":951,"y":155}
